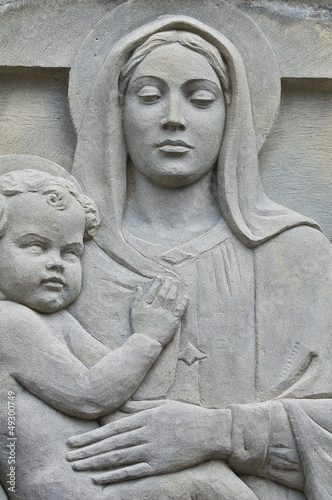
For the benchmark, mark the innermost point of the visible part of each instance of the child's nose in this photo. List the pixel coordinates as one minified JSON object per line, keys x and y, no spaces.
{"x":56,"y":264}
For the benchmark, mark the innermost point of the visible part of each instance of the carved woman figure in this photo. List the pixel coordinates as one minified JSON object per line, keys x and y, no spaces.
{"x":171,"y":106}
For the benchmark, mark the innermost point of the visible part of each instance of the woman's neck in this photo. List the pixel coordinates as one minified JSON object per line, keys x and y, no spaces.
{"x":170,"y":216}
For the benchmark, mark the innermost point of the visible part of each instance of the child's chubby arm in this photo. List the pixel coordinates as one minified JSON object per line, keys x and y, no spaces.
{"x":43,"y":365}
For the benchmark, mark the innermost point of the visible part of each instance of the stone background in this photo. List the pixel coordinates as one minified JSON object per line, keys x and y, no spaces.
{"x":38,"y":41}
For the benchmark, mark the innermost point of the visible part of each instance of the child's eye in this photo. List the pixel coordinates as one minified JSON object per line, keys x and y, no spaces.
{"x":36,"y":248}
{"x":70,"y":255}
{"x":149,"y":94}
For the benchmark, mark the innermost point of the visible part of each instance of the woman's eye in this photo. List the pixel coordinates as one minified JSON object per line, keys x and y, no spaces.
{"x":202,"y":98}
{"x":149,"y":94}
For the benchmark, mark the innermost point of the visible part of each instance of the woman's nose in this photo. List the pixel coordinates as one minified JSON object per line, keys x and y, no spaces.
{"x":174,"y":118}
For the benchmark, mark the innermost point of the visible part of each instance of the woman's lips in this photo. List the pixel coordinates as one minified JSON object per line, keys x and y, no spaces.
{"x":170,"y":146}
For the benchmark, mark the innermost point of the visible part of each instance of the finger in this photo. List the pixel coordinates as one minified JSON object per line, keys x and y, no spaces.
{"x":126,"y":424}
{"x":131,"y":407}
{"x":139,"y":294}
{"x":116,"y":458}
{"x":153,"y":290}
{"x":142,"y":469}
{"x":172,"y":295}
{"x":126,"y":440}
{"x":160,"y":296}
{"x":181,"y":307}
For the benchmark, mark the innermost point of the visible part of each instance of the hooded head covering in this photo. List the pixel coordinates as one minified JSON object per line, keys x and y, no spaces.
{"x":101,"y":158}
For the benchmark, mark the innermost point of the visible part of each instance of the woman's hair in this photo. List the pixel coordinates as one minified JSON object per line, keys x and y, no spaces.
{"x":59,"y":193}
{"x":186,"y":39}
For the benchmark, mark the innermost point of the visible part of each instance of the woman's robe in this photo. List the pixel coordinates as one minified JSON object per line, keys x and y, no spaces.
{"x":255,"y":338}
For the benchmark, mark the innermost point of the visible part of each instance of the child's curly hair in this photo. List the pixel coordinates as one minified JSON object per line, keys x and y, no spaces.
{"x":58,"y":192}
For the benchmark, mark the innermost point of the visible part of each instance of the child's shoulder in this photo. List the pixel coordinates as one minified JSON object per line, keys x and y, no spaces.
{"x":16,"y":313}
{"x":17,"y":324}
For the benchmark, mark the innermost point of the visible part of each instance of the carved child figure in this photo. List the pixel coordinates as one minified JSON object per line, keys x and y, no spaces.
{"x":45,"y":352}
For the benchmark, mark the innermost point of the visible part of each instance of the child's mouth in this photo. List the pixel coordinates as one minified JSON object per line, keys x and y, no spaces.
{"x":54,"y":283}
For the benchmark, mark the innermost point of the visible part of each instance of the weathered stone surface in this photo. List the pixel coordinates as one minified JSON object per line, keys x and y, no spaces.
{"x":194,"y":360}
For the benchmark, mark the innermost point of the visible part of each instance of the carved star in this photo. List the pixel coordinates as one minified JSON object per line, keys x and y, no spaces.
{"x":176,"y":256}
{"x":190,"y":354}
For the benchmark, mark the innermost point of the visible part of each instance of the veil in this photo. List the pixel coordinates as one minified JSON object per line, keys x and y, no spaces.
{"x":101,"y":157}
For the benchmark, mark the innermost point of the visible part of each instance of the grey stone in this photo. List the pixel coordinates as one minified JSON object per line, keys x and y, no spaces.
{"x":194,"y":361}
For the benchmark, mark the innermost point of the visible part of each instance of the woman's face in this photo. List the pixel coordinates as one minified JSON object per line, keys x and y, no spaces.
{"x":174,"y":116}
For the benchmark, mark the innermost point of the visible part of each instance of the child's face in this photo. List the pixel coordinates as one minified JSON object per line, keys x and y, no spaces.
{"x":40,"y":253}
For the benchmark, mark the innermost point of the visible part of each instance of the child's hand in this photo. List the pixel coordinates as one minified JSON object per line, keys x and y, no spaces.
{"x":157,"y":312}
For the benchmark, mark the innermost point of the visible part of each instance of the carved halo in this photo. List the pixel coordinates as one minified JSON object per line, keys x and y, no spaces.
{"x":9,"y":163}
{"x":256,"y":52}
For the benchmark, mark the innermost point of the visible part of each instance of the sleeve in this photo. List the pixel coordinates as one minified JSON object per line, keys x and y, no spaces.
{"x":263,"y":444}
{"x":289,"y":442}
{"x":287,"y":435}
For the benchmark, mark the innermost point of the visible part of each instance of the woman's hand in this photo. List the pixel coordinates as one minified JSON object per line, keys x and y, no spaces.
{"x":171,"y":437}
{"x":157,"y":313}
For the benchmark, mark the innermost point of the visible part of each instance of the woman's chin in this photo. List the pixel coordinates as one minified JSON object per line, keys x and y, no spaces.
{"x":176,"y":178}
{"x":174,"y":182}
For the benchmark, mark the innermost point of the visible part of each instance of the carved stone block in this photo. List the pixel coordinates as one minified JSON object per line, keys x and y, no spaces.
{"x":165,"y":279}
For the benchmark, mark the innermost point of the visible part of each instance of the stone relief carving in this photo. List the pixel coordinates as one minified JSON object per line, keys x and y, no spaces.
{"x":192,"y":255}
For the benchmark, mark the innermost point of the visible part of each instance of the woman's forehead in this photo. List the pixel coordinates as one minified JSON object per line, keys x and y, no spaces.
{"x":176,"y":64}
